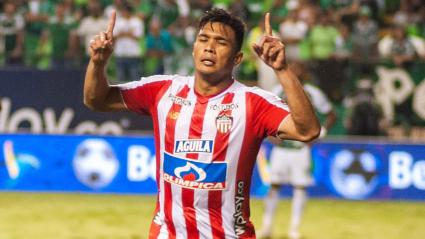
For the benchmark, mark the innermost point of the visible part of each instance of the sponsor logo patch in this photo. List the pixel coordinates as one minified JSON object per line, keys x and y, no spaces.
{"x":224,"y":107}
{"x":193,"y":174}
{"x":240,"y":221}
{"x":179,"y":100}
{"x":193,"y":146}
{"x":173,"y":115}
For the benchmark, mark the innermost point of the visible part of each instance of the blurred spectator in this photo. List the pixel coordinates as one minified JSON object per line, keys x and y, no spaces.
{"x":199,"y":7}
{"x":115,"y":6}
{"x":422,"y":21}
{"x":410,"y":16}
{"x":158,"y":45}
{"x":328,"y":70}
{"x":376,"y":8}
{"x":343,"y":59}
{"x":279,"y":11}
{"x":239,"y":8}
{"x":43,"y":51}
{"x":60,"y":27}
{"x":256,"y":11}
{"x":403,"y":17}
{"x":71,"y":10}
{"x":90,"y":25}
{"x":128,"y":31}
{"x":167,"y":11}
{"x":364,"y":113}
{"x":323,"y":38}
{"x":36,"y":17}
{"x":308,"y":12}
{"x":143,"y":9}
{"x":292,"y":31}
{"x":11,"y":34}
{"x":20,"y":5}
{"x":184,"y":8}
{"x":401,"y":48}
{"x":365,"y":38}
{"x":221,"y":3}
{"x":343,"y":44}
{"x":345,"y":11}
{"x":183,"y":34}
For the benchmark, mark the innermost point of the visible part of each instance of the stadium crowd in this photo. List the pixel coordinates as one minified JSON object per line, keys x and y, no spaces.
{"x":337,"y":42}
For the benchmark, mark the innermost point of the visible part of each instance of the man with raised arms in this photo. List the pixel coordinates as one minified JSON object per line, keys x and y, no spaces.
{"x":208,"y":127}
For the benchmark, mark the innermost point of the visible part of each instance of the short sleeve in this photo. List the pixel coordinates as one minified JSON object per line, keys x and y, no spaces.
{"x":140,"y":96}
{"x":268,"y":111}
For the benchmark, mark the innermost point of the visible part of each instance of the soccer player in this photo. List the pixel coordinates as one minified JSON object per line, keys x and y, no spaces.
{"x":207,"y":128}
{"x":290,"y":161}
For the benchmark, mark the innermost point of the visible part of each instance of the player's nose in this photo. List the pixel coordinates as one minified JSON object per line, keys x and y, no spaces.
{"x":209,"y":48}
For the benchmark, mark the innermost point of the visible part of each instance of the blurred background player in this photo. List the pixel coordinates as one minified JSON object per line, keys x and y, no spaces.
{"x":128,"y":31}
{"x":290,"y":161}
{"x":11,"y":34}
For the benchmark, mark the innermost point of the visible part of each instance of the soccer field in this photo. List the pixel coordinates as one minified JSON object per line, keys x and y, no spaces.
{"x":81,"y":216}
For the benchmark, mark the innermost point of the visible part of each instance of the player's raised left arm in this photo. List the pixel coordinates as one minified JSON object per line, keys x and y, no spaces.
{"x":302,"y":123}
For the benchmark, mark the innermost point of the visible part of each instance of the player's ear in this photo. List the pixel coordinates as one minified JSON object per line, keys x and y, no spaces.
{"x":238,"y":58}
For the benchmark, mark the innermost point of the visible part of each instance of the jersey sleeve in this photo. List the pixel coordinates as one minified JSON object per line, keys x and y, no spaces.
{"x":268,"y":111}
{"x":140,"y":96}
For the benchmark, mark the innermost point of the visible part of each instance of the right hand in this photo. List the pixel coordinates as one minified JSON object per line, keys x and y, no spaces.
{"x":102,"y":45}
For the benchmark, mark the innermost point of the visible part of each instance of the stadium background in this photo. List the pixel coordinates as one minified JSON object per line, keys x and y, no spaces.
{"x":52,"y":146}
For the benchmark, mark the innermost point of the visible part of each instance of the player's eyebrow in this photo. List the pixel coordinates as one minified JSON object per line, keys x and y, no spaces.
{"x":218,"y":37}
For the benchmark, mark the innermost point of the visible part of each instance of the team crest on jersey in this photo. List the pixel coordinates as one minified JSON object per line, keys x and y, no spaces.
{"x":224,"y":122}
{"x":193,"y":174}
{"x":193,"y":146}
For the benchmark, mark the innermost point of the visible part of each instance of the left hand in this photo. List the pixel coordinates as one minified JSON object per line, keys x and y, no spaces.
{"x":271,"y":49}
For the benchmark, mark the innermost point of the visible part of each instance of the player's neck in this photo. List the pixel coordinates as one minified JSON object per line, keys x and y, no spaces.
{"x":210,"y":86}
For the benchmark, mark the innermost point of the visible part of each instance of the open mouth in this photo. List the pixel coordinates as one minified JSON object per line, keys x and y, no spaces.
{"x":208,"y":62}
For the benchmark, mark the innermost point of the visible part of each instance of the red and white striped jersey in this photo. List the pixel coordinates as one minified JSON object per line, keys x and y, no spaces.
{"x":205,"y":153}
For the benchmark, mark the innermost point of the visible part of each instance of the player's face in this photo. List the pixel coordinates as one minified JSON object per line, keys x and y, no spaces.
{"x":214,"y":51}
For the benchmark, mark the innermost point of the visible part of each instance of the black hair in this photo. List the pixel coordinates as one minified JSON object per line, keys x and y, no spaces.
{"x":222,"y":16}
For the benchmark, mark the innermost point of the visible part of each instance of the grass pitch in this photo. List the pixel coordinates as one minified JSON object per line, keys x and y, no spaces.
{"x":86,"y":216}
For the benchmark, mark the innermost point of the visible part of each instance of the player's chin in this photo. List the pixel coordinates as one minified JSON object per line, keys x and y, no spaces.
{"x":206,"y":70}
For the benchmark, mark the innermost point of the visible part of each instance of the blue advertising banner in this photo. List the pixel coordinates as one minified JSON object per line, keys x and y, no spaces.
{"x":362,"y":170}
{"x":77,"y":163}
{"x":113,"y":164}
{"x":356,"y":171}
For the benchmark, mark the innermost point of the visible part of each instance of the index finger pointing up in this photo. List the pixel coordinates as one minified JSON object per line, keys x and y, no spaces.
{"x":111,"y":24}
{"x":267,"y":26}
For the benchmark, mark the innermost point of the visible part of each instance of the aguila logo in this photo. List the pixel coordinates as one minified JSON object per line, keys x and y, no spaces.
{"x":193,"y":146}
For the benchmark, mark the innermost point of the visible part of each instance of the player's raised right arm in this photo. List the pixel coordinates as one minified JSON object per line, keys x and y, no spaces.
{"x":98,"y":94}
